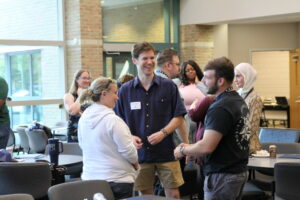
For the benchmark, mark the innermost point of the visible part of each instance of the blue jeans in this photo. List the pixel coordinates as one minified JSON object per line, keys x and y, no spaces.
{"x":224,"y":186}
{"x":4,"y":135}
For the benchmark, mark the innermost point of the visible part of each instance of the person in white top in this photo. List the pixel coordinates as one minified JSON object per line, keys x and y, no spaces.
{"x":106,"y":142}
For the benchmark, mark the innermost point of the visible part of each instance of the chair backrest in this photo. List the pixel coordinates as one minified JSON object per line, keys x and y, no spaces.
{"x":11,"y":140}
{"x":30,"y":178}
{"x":283,"y":148}
{"x":37,"y":140}
{"x":24,"y":143}
{"x":72,"y":149}
{"x":287,"y":178}
{"x":279,"y":135}
{"x":80,"y":189}
{"x":16,"y":197}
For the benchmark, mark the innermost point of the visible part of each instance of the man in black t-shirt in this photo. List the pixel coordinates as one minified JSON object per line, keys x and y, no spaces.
{"x":225,"y":142}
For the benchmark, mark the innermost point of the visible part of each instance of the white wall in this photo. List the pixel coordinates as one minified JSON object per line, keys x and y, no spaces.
{"x":273,"y":73}
{"x":216,"y":11}
{"x":220,"y":36}
{"x":242,"y":39}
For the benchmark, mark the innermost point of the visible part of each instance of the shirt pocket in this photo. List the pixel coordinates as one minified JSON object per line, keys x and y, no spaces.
{"x":163,"y":106}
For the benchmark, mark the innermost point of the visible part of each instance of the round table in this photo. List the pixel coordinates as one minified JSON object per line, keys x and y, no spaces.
{"x":63,"y":159}
{"x":267,"y":162}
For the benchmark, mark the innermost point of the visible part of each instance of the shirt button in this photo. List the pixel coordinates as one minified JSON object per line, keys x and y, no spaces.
{"x":147,"y":126}
{"x":147,"y":93}
{"x":147,"y":115}
{"x":147,"y":104}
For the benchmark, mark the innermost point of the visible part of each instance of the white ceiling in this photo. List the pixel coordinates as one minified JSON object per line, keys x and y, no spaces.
{"x":295,"y":17}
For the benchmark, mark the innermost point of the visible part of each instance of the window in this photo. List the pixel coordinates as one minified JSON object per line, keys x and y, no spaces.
{"x":32,"y":59}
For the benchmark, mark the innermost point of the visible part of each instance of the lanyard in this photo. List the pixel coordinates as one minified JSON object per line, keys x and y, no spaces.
{"x":249,"y":93}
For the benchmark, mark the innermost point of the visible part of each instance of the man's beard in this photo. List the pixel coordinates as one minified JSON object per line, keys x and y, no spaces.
{"x":214,"y":88}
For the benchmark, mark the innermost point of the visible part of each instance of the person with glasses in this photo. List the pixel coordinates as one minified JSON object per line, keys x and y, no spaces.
{"x":81,"y":81}
{"x":106,"y":142}
{"x":168,"y":65}
{"x":152,"y":108}
{"x":191,"y":76}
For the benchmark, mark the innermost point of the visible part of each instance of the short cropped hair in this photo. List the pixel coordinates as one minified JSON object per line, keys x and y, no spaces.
{"x":139,"y":48}
{"x":165,"y":55}
{"x":223,"y":67}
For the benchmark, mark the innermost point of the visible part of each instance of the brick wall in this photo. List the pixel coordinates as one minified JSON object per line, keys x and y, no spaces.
{"x":196,"y":43}
{"x":83,"y":24}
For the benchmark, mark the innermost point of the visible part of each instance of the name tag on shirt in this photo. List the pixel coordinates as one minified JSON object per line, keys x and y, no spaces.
{"x":135,"y":105}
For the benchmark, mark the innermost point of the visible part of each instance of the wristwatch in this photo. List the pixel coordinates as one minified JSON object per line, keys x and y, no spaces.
{"x":181,"y":150}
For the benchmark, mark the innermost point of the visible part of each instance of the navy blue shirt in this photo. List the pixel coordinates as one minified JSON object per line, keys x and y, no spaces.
{"x":146,"y":112}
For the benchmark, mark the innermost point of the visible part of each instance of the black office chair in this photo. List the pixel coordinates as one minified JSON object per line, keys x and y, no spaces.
{"x":287,"y":176}
{"x":79,"y":190}
{"x":30,"y":178}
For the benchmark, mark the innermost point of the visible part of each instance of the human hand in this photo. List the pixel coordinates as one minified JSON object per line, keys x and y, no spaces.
{"x":177,"y":153}
{"x":137,"y":142}
{"x":194,"y":104}
{"x":136,"y":166}
{"x":156,"y":137}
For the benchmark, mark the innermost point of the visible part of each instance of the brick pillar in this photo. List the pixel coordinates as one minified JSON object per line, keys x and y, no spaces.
{"x":196,"y":43}
{"x":83,"y":31}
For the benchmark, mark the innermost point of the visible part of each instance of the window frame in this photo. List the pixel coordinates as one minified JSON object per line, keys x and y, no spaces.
{"x":60,"y":44}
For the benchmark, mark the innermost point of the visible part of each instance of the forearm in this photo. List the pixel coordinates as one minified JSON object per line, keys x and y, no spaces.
{"x":71,"y":106}
{"x":177,"y":122}
{"x":197,"y":149}
{"x":74,"y":109}
{"x":183,"y":132}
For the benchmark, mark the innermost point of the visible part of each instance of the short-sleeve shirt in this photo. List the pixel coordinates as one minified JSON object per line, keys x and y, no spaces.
{"x":228,"y":115}
{"x":4,"y":115}
{"x":147,"y":112}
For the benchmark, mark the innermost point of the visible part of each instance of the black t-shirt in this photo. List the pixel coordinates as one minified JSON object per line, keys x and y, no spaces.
{"x":228,"y":115}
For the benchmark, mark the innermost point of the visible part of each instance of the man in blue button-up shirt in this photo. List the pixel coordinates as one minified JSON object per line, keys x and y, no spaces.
{"x":152,"y":108}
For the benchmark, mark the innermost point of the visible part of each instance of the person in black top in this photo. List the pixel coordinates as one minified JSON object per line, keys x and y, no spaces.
{"x":225,"y":142}
{"x":81,"y":81}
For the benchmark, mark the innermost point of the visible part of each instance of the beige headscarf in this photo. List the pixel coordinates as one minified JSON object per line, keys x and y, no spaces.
{"x":249,"y":74}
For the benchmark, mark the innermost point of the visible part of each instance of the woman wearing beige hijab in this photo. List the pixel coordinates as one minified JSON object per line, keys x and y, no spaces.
{"x":245,"y":77}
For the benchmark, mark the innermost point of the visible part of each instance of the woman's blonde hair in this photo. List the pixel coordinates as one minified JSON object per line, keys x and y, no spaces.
{"x":93,"y":93}
{"x":74,"y":86}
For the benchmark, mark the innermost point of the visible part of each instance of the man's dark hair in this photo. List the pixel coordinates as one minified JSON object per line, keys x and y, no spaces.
{"x":165,"y":55}
{"x":223,"y":68}
{"x":141,"y":47}
{"x":183,"y":76}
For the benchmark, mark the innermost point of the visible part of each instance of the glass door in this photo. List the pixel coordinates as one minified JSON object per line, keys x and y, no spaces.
{"x":117,"y":64}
